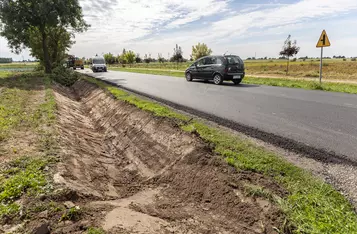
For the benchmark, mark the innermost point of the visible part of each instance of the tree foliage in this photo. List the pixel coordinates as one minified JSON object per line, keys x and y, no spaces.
{"x":177,"y":56}
{"x":23,"y":22}
{"x":289,"y":49}
{"x":200,"y":50}
{"x":59,"y":41}
{"x":138,"y":59}
{"x":160,"y":58}
{"x":5,"y":60}
{"x":109,"y":58}
{"x":130,"y":57}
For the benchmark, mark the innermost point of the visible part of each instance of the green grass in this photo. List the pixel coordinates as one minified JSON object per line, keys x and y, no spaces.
{"x":93,"y":230}
{"x":303,"y":84}
{"x":25,"y":174}
{"x":258,"y":191}
{"x":72,"y":214}
{"x":312,"y":206}
{"x":148,"y":71}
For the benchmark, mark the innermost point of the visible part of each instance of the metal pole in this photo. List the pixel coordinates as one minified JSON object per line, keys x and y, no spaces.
{"x":321,"y":64}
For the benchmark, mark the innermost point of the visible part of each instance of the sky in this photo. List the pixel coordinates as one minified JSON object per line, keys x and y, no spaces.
{"x":246,"y":28}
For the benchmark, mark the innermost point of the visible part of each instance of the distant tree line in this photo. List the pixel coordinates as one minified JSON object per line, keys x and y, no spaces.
{"x":5,"y":60}
{"x":130,"y":57}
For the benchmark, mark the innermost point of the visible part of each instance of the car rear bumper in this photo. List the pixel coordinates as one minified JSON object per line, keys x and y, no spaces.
{"x":233,"y":76}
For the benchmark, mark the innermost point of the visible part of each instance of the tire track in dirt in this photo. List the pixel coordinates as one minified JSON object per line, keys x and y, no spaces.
{"x":145,"y":175}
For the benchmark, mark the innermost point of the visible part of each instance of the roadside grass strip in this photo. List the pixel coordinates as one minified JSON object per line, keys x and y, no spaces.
{"x":25,"y":174}
{"x":312,"y":206}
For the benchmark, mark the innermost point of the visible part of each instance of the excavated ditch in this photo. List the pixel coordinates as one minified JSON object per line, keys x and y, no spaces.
{"x":133,"y":172}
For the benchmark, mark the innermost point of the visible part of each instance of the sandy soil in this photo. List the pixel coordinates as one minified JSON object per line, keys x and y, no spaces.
{"x":131,"y":172}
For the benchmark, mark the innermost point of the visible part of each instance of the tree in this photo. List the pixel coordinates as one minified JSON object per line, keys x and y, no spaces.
{"x":109,"y":58}
{"x":146,"y":59}
{"x":130,"y":57}
{"x":200,"y":50}
{"x":5,"y":60}
{"x":59,"y":41}
{"x":23,"y":22}
{"x":160,"y":58}
{"x":289,"y":49}
{"x":177,"y":56}
{"x":138,"y":59}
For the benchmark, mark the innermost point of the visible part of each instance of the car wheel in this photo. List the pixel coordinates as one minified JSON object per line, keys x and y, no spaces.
{"x":217,"y":79}
{"x":74,"y":68}
{"x":237,"y":82}
{"x":82,"y":68}
{"x":188,"y":76}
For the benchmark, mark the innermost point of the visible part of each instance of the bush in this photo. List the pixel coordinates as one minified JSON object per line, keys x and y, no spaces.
{"x":353,"y":59}
{"x":344,"y":59}
{"x":64,"y":76}
{"x":294,"y":60}
{"x":39,"y":67}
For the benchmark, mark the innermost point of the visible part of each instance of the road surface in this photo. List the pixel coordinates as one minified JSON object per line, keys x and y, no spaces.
{"x":323,"y":120}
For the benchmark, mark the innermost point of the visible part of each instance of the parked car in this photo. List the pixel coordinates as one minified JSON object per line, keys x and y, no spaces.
{"x":98,"y":64}
{"x":217,"y":68}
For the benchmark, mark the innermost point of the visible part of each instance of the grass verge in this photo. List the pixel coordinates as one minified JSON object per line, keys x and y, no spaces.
{"x":25,"y":174}
{"x":303,"y":84}
{"x":150,"y":71}
{"x":312,"y":206}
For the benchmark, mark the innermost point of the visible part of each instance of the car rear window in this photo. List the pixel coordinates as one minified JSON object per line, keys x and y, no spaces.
{"x":233,"y":60}
{"x":213,"y":60}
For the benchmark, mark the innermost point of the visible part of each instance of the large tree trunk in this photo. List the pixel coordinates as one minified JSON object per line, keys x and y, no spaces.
{"x":46,"y":55}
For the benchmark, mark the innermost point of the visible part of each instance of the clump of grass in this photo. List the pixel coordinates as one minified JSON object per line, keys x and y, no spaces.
{"x":258,"y":191}
{"x":22,"y":175}
{"x":312,"y":206}
{"x":93,"y":230}
{"x":72,"y":214}
{"x":64,"y":76}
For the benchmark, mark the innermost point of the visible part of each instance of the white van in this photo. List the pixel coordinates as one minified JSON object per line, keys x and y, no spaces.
{"x":98,"y":64}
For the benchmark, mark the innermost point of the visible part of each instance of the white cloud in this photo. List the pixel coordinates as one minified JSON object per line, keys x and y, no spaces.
{"x":136,"y":19}
{"x":155,"y":26}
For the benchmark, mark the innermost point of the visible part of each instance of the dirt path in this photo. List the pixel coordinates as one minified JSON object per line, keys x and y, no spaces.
{"x":135,"y":173}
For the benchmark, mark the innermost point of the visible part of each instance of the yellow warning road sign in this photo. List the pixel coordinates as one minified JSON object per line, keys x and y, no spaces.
{"x":323,"y":41}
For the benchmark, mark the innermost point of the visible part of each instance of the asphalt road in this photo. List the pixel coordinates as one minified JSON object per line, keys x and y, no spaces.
{"x":323,"y":120}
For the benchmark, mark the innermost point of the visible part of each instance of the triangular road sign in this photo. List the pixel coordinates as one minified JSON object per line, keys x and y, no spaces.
{"x":323,"y":41}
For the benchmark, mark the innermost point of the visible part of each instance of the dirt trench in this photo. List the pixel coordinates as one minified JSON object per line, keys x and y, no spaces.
{"x":133,"y":172}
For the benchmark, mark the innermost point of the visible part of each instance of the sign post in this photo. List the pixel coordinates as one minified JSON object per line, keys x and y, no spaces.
{"x":323,"y":42}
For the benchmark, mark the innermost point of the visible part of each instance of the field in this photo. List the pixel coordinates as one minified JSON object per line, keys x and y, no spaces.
{"x":333,"y":69}
{"x":13,"y":67}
